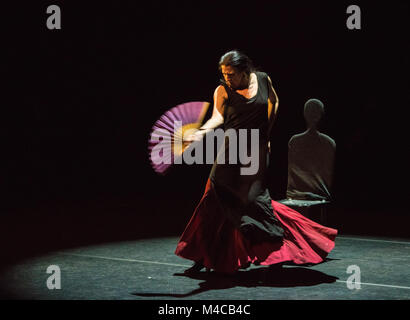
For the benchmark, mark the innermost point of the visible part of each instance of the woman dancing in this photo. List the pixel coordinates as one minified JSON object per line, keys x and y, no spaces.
{"x":236,"y":222}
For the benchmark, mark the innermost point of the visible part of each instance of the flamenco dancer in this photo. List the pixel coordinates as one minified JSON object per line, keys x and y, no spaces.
{"x":236,"y":222}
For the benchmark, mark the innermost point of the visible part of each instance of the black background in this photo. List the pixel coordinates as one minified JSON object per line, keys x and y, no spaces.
{"x":78,"y":105}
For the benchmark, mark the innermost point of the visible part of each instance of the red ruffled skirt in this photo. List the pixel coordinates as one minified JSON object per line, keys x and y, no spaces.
{"x":211,"y":238}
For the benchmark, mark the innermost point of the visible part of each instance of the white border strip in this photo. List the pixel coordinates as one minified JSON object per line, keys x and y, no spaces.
{"x":376,"y":284}
{"x":122,"y":259}
{"x":373,"y":240}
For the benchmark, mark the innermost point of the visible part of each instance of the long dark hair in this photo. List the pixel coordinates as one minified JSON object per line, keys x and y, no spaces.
{"x":237,"y":60}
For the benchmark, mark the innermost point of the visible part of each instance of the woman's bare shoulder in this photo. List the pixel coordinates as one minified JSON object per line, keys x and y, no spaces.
{"x":220,"y":91}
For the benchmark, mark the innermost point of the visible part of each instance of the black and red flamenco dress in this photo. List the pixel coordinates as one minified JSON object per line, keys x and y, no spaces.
{"x":236,"y":222}
{"x":212,"y":238}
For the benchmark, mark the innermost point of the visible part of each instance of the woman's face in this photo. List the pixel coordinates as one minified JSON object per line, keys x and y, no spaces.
{"x":232,"y":76}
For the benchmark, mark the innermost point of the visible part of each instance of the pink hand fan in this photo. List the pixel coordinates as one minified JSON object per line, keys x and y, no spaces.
{"x":166,"y":144}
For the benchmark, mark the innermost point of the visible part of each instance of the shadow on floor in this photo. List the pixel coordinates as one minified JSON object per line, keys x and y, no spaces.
{"x":263,"y":276}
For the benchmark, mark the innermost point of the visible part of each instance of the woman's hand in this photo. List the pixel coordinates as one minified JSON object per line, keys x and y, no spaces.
{"x":189,"y":138}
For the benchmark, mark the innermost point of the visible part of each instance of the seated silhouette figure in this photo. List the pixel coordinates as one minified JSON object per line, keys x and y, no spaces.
{"x":311,"y":157}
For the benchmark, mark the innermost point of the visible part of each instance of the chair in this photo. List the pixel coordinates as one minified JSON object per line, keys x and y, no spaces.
{"x":311,"y":157}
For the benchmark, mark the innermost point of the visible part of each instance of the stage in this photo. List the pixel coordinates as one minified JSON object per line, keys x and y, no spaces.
{"x":148,"y":269}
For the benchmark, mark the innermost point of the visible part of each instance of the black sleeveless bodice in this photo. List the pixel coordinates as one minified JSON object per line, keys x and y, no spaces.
{"x":245,"y":199}
{"x":243,"y":113}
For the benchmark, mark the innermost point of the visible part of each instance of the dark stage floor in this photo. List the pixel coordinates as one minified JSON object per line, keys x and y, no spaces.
{"x":148,"y":269}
